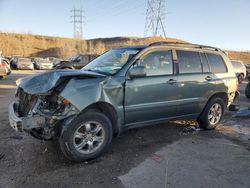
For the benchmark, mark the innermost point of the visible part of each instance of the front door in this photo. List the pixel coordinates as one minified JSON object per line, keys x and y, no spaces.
{"x":154,"y":96}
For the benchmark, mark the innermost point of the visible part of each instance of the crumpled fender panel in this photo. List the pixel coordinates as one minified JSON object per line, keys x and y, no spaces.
{"x":84,"y":92}
{"x":43,"y":83}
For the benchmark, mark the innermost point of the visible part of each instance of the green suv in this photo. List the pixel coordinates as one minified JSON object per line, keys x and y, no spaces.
{"x":124,"y":88}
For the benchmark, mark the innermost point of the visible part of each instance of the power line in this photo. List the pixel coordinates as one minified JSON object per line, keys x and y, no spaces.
{"x":115,"y":8}
{"x":77,"y":20}
{"x":155,"y":17}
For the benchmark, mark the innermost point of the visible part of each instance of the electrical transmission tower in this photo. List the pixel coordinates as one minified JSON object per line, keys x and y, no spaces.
{"x":77,"y":20}
{"x":155,"y":18}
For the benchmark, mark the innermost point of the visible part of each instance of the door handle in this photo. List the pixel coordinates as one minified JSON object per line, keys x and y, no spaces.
{"x":171,"y":81}
{"x":208,"y":78}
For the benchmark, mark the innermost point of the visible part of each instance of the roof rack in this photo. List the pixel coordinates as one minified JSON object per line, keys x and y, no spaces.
{"x":185,"y":44}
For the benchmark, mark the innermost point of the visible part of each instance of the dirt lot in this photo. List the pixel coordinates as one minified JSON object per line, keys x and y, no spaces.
{"x":166,"y":155}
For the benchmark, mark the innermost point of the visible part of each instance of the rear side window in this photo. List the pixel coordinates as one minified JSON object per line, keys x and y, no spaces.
{"x":189,"y":62}
{"x":216,"y":63}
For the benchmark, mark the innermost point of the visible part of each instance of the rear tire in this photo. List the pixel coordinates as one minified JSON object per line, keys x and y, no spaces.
{"x":212,"y":114}
{"x":86,"y":137}
{"x":240,"y":78}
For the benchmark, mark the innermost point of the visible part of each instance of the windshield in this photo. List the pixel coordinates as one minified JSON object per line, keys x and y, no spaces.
{"x":111,"y":61}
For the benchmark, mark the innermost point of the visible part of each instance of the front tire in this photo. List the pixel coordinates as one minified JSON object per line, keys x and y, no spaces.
{"x":86,"y":137}
{"x":212,"y":114}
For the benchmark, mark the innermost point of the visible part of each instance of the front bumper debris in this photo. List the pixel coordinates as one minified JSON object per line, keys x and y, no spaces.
{"x":23,"y":123}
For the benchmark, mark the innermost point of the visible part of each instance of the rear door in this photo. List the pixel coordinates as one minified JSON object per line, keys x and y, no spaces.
{"x":195,"y":82}
{"x":154,"y":96}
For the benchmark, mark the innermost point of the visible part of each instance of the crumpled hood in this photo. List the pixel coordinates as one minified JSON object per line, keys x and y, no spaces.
{"x":44,"y":82}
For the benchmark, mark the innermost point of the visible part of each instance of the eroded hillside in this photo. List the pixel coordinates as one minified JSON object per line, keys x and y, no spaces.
{"x":35,"y":45}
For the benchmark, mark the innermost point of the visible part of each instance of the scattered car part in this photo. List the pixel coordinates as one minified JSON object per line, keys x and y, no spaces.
{"x":243,"y":113}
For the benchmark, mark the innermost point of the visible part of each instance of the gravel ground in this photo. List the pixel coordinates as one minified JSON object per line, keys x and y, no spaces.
{"x":166,"y":155}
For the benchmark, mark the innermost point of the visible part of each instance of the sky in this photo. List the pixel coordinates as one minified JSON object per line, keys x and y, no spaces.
{"x":220,"y":23}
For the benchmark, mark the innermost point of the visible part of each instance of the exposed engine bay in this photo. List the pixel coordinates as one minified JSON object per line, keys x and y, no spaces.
{"x":43,"y":113}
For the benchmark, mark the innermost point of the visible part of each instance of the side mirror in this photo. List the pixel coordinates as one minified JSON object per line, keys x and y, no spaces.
{"x":137,"y":72}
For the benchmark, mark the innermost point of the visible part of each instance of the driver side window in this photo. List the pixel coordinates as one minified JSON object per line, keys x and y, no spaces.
{"x":158,"y":63}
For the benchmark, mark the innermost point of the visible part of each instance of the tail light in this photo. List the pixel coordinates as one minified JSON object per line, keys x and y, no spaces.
{"x":237,"y":85}
{"x":2,"y":65}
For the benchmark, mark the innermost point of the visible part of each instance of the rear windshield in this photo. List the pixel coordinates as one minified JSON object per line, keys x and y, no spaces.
{"x":237,"y":64}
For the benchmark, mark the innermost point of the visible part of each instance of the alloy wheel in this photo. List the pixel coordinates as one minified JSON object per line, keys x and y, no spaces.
{"x":215,"y":114}
{"x":88,"y":137}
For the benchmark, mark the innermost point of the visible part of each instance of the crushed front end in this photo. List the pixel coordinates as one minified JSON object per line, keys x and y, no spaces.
{"x":40,"y":108}
{"x":40,"y":115}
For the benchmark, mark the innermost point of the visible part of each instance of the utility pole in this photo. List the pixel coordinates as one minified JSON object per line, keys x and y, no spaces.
{"x":77,"y":20}
{"x":155,"y":18}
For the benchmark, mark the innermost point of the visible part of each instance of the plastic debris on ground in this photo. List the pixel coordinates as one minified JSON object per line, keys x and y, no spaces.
{"x":191,"y":129}
{"x":156,"y":158}
{"x":243,"y":113}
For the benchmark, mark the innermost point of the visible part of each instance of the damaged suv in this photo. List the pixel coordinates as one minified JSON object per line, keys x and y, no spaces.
{"x":124,"y":88}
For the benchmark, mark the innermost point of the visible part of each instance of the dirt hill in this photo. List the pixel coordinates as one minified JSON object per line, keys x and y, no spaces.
{"x":36,"y":45}
{"x":243,"y":56}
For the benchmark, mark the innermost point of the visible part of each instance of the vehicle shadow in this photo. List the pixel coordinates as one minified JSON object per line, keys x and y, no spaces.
{"x":41,"y":160}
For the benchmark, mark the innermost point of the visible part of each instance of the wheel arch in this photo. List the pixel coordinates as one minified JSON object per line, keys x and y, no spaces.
{"x":222,"y":95}
{"x":108,"y":110}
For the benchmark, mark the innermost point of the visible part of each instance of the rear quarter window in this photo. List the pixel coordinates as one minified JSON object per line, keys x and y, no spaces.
{"x":216,"y":62}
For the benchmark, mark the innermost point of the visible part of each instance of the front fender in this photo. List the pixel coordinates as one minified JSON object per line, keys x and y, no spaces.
{"x":84,"y":92}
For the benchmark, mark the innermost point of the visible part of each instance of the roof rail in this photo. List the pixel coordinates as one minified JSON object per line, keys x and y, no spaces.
{"x":185,"y":44}
{"x":166,"y":43}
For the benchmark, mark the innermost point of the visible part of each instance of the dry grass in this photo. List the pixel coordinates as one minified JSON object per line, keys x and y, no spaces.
{"x":243,"y":56}
{"x":35,"y":45}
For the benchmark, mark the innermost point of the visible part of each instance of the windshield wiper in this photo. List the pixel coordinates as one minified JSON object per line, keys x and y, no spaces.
{"x":97,"y":71}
